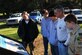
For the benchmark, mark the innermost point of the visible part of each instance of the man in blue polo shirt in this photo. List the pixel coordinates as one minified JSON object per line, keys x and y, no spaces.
{"x":44,"y":31}
{"x":62,"y":32}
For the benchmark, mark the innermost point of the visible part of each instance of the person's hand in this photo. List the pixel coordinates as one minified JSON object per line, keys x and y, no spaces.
{"x":77,"y":54}
{"x":65,"y":45}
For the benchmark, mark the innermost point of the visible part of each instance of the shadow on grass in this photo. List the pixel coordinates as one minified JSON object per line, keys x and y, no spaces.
{"x":8,"y":26}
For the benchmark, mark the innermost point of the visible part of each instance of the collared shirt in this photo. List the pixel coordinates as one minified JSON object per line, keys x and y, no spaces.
{"x":26,"y":21}
{"x":74,"y":42}
{"x":44,"y":26}
{"x":62,"y":31}
{"x":53,"y":33}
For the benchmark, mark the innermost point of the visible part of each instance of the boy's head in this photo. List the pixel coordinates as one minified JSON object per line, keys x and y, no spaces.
{"x":45,"y":13}
{"x":70,"y":20}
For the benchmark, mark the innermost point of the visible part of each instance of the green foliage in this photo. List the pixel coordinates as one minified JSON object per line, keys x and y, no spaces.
{"x":78,"y":38}
{"x":20,"y":5}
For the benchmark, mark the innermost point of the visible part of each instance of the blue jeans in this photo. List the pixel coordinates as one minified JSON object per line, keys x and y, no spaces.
{"x":54,"y":50}
{"x":45,"y":42}
{"x":63,"y":50}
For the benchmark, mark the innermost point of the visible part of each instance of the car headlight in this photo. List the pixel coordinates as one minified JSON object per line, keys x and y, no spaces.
{"x":16,"y":20}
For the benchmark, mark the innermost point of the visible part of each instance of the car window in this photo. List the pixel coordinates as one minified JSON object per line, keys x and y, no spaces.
{"x":77,"y":12}
{"x":79,"y":17}
{"x":34,"y":14}
{"x":74,"y":11}
{"x":15,"y":15}
{"x":67,"y":11}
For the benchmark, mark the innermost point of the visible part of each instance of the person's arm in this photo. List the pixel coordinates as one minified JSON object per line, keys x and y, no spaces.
{"x":33,"y":29}
{"x":36,"y":30}
{"x":43,"y":29}
{"x":20,"y":31}
{"x":68,"y":38}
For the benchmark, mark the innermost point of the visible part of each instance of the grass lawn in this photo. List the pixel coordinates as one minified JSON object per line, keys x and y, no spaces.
{"x":9,"y":31}
{"x":2,"y":23}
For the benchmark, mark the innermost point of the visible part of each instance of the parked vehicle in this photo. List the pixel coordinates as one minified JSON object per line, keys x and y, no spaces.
{"x":76,"y":12}
{"x":14,"y":18}
{"x":36,"y":16}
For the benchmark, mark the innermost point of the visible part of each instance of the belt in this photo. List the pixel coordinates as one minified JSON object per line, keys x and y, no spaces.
{"x":62,"y":41}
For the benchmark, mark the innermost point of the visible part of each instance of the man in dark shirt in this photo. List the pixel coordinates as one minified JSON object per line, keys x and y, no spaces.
{"x":27,"y":31}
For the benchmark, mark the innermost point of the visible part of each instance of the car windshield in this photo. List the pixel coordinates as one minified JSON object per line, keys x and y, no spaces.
{"x":34,"y":14}
{"x":79,"y":17}
{"x":77,"y":12}
{"x":15,"y":15}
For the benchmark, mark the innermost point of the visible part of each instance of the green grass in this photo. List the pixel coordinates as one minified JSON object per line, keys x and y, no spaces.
{"x":39,"y":28}
{"x":2,"y":23}
{"x":9,"y":31}
{"x":80,"y":24}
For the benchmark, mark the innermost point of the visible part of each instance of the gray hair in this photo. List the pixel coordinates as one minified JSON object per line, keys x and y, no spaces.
{"x":60,"y":8}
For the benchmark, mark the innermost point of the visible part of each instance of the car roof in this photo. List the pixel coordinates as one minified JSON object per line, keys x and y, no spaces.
{"x":76,"y":9}
{"x":35,"y":12}
{"x":67,"y":10}
{"x":71,"y":10}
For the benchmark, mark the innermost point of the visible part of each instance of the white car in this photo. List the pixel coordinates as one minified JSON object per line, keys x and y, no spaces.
{"x":74,"y":11}
{"x":77,"y":13}
{"x":14,"y":19}
{"x":79,"y":18}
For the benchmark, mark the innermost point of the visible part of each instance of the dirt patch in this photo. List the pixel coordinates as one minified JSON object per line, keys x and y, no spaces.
{"x":39,"y":48}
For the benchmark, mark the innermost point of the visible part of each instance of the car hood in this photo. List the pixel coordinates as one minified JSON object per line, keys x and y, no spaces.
{"x":33,"y":17}
{"x":80,"y":15}
{"x":14,"y":18}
